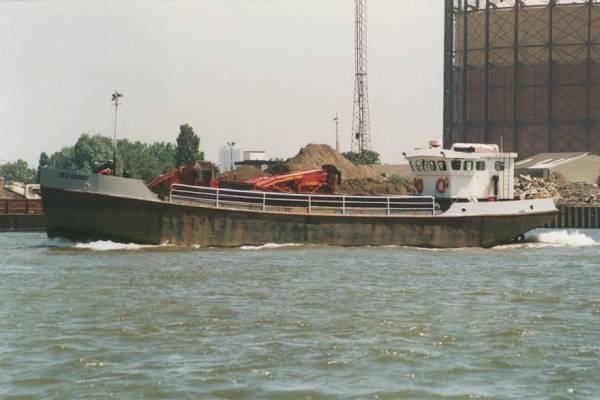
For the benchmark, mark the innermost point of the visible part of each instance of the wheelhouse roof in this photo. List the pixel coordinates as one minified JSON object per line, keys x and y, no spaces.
{"x":451,"y":154}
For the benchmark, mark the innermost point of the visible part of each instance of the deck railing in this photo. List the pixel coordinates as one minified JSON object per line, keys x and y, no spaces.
{"x":307,"y":203}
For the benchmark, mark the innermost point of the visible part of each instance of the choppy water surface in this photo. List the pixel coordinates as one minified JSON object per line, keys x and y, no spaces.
{"x":103,"y":320}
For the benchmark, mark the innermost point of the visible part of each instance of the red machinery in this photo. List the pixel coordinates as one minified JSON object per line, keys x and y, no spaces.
{"x":201,"y":174}
{"x":315,"y":181}
{"x":196,"y":174}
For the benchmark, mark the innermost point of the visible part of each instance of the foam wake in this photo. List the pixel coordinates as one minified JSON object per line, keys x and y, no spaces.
{"x":98,"y":245}
{"x":555,"y":239}
{"x":564,"y":238}
{"x":269,"y":246}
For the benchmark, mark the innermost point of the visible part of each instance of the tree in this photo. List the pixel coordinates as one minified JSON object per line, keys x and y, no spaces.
{"x":164,"y":154}
{"x":366,"y":157}
{"x":62,"y":159}
{"x":188,"y":145}
{"x":144,"y":161}
{"x":91,"y":149}
{"x":43,"y":162}
{"x":18,"y":171}
{"x":139,"y":160}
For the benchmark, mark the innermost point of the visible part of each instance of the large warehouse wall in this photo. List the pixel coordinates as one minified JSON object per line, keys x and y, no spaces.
{"x":535,"y":88}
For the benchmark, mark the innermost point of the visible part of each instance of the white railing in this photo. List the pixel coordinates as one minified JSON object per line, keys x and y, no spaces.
{"x":310,"y":203}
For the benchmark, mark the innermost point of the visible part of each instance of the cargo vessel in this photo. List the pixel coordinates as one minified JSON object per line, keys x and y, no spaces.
{"x":465,"y":199}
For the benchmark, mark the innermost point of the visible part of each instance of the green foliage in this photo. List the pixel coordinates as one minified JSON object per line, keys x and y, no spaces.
{"x":145,"y":161}
{"x":42,"y":162}
{"x":82,"y":156}
{"x":139,"y":160}
{"x":188,"y":145}
{"x":402,"y":180}
{"x":18,"y":171}
{"x":44,"y":159}
{"x":91,"y":149}
{"x":279,"y":167}
{"x":62,"y":159}
{"x":367,"y":157}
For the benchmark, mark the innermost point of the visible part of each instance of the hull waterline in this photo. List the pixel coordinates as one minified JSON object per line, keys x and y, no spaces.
{"x":85,"y":216}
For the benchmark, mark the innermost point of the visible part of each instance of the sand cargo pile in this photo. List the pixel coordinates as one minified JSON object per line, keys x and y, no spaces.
{"x":356,"y":179}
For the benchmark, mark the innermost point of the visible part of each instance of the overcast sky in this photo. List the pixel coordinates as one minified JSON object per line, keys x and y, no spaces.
{"x":267,"y":74}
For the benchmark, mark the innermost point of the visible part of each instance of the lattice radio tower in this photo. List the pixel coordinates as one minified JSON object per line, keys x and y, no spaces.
{"x":361,"y":130}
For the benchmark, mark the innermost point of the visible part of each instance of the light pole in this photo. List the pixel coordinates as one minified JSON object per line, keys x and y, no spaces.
{"x":337,"y":133}
{"x":115,"y":100}
{"x":231,"y":144}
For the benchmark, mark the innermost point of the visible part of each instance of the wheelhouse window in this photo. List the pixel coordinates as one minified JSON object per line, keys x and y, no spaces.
{"x":418,"y":166}
{"x":425,"y":165}
{"x":456,"y":164}
{"x":442,"y":166}
{"x":499,"y":166}
{"x":468,"y":166}
{"x":412,"y":165}
{"x":480,"y":165}
{"x":432,"y":165}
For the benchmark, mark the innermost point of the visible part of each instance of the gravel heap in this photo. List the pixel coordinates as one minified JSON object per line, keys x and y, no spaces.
{"x":314,"y":156}
{"x":556,"y":188}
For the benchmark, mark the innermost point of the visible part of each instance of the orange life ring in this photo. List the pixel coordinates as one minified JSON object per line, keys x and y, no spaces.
{"x":491,"y":198}
{"x":419,"y":185}
{"x":441,"y":185}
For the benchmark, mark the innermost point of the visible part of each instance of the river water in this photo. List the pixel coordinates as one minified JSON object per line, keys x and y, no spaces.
{"x":104,"y":320}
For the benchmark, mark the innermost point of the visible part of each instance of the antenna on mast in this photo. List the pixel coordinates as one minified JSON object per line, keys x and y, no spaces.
{"x":361,"y":135}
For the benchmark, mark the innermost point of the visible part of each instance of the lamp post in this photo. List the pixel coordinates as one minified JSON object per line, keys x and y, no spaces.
{"x":337,"y":133}
{"x":231,"y":144}
{"x":115,"y":100}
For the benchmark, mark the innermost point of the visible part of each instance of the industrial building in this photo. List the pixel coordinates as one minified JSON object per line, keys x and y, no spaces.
{"x":524,"y":74}
{"x":574,"y":167}
{"x":228,"y":156}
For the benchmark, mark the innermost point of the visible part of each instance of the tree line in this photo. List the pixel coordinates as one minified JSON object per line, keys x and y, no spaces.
{"x":139,"y":160}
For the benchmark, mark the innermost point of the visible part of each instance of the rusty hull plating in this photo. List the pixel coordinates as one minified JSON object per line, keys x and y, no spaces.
{"x":95,"y":216}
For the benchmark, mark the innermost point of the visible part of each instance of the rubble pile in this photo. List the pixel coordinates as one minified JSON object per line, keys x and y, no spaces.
{"x":556,"y":188}
{"x":356,"y":179}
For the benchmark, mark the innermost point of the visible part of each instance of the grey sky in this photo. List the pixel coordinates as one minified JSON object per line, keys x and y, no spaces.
{"x":268,"y":74}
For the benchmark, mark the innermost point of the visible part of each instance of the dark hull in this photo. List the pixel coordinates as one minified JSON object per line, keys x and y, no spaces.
{"x":92,"y":216}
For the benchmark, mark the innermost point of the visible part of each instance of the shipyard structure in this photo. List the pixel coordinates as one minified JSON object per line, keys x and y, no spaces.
{"x":524,"y":74}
